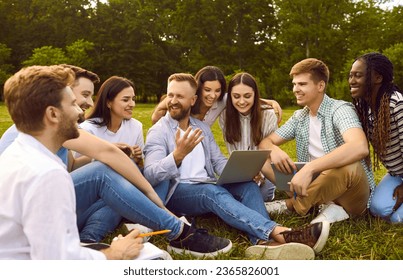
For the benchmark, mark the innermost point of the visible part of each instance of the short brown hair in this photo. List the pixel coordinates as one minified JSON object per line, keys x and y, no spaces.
{"x":184,"y":77}
{"x":318,"y":69}
{"x":31,"y":90}
{"x":83,"y":73}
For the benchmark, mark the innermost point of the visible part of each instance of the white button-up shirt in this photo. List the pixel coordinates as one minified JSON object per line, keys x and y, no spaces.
{"x":37,"y":205}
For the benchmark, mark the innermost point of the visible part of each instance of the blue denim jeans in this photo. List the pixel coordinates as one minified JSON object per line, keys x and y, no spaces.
{"x":240,"y":205}
{"x":267,"y":190}
{"x":103,"y":197}
{"x":382,"y":201}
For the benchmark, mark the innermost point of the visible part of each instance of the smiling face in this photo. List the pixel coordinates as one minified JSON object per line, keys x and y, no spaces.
{"x":211,"y":91}
{"x":307,"y":92}
{"x":83,"y":89}
{"x":70,"y":114}
{"x":357,"y":79}
{"x":242,"y":97}
{"x":180,"y":98}
{"x":122,"y":105}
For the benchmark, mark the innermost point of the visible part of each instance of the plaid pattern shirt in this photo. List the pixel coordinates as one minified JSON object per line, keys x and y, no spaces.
{"x":336,"y":117}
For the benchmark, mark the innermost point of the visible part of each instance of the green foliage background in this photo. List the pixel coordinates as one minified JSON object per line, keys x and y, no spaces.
{"x":147,"y":40}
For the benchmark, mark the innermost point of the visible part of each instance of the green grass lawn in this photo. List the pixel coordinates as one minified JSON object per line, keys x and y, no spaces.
{"x":364,"y":238}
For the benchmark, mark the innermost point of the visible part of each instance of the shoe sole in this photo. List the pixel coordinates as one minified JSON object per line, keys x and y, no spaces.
{"x":323,"y":237}
{"x":322,"y":217}
{"x":288,"y":251}
{"x":171,"y":249}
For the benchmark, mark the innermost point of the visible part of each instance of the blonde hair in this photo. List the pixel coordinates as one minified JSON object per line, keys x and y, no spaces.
{"x":184,"y":77}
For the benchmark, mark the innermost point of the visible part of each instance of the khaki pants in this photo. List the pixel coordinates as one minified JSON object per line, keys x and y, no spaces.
{"x":346,"y":186}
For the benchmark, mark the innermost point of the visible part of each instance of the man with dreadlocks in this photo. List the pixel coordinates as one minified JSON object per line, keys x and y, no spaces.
{"x":379,"y":104}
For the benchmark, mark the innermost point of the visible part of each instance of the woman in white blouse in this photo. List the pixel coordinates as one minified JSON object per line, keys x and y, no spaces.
{"x":111,"y":118}
{"x":245,"y":122}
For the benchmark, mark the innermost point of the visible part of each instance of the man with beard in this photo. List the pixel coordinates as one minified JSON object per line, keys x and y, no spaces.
{"x":179,"y":147}
{"x":37,"y":207}
{"x":112,"y":187}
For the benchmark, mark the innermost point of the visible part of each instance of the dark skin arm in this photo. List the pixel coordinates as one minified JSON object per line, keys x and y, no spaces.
{"x":398,"y":195}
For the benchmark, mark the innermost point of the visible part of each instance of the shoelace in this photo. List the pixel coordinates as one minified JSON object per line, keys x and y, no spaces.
{"x":299,"y":234}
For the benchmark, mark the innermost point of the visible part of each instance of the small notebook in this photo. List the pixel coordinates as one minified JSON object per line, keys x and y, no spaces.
{"x":149,"y":252}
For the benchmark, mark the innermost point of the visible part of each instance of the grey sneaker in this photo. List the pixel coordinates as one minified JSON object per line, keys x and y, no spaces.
{"x":277,"y":251}
{"x":313,"y":235}
{"x":331,"y":212}
{"x":277,"y":206}
{"x":199,"y":243}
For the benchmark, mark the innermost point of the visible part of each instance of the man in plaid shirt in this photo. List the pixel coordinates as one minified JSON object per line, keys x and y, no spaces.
{"x":329,"y":137}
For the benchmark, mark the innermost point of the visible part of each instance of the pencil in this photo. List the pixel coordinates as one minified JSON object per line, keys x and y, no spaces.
{"x":295,"y":193}
{"x":154,"y":233}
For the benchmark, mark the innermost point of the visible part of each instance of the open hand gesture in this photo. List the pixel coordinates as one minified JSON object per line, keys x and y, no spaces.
{"x":186,"y":143}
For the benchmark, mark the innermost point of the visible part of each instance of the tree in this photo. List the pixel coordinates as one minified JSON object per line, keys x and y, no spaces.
{"x":78,"y":53}
{"x":5,"y":68}
{"x":75,"y":54}
{"x":395,"y":54}
{"x":46,"y":55}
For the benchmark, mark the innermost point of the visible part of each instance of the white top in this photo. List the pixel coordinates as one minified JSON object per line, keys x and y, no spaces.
{"x":37,"y":205}
{"x":315,"y":147}
{"x":130,"y":132}
{"x":269,"y":125}
{"x":214,"y":112}
{"x":193,"y":165}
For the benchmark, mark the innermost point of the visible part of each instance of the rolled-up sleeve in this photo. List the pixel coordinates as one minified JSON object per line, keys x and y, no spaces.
{"x":159,"y":164}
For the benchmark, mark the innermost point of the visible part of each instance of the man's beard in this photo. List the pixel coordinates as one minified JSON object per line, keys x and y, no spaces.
{"x":81,"y":118}
{"x":68,"y":129}
{"x":179,"y":115}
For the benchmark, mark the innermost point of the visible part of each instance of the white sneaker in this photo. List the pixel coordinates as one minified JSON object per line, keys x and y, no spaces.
{"x":165,"y":256}
{"x":183,"y":219}
{"x":331,"y":212}
{"x":140,"y":228}
{"x":277,"y":206}
{"x":287,"y":251}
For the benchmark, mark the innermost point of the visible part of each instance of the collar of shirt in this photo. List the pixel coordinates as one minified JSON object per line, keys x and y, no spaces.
{"x":27,"y":139}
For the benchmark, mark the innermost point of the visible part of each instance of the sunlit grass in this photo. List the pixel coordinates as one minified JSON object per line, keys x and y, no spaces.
{"x":364,"y":238}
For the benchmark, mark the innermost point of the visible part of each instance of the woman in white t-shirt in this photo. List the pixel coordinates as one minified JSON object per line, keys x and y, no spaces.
{"x":111,"y":118}
{"x":245,"y":122}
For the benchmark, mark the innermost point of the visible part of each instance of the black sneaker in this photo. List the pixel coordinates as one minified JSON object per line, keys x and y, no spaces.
{"x":95,"y":246}
{"x":314,"y":235}
{"x":199,"y":243}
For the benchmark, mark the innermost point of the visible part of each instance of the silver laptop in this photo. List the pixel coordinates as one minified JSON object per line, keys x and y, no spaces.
{"x":282,"y":180}
{"x":242,"y":166}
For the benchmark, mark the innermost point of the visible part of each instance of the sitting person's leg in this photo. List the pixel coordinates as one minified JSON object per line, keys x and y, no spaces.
{"x":96,"y":180}
{"x":197,"y":199}
{"x":343,"y":191}
{"x":98,"y":221}
{"x":162,"y":190}
{"x":382,"y":201}
{"x":267,"y":190}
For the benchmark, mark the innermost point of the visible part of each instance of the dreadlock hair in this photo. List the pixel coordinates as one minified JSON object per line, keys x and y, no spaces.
{"x":381,"y":65}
